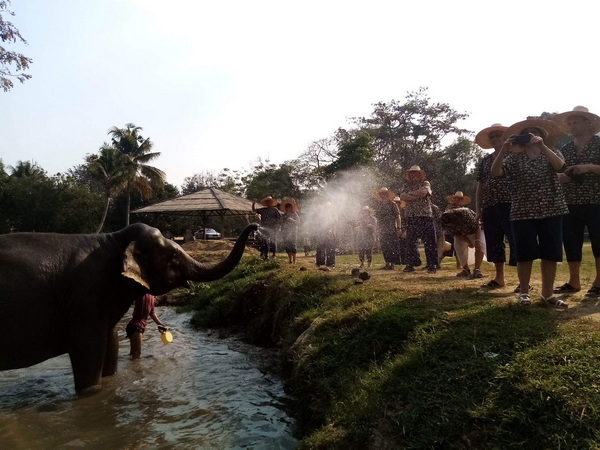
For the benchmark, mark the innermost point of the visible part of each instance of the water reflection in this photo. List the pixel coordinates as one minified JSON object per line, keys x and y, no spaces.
{"x":195,"y":392}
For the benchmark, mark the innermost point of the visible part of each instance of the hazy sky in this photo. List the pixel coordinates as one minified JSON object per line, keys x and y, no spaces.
{"x":218,"y":84}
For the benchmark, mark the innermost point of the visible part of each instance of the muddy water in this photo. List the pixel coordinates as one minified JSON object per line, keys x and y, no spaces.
{"x":197,"y":392}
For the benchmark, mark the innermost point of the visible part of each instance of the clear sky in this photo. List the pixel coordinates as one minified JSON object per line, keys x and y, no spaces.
{"x":221,"y":83}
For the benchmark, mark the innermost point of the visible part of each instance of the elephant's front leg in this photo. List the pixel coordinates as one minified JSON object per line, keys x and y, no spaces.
{"x":111,"y":357}
{"x":87,"y":352}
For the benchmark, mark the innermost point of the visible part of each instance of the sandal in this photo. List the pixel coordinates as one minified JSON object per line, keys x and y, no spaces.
{"x":464,"y":273}
{"x":565,"y":289}
{"x":518,"y":289}
{"x":552,"y":300}
{"x":524,"y":300}
{"x":593,"y":292}
{"x":492,"y":284}
{"x":477,"y":273}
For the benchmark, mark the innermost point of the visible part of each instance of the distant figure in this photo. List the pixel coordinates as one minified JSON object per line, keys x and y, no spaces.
{"x":188,"y":236}
{"x":581,"y":183}
{"x":365,"y":236}
{"x":168,"y":235}
{"x":419,"y":218}
{"x":270,"y":222}
{"x":461,"y":222}
{"x":389,"y":222}
{"x":325,"y":236}
{"x":290,"y":220}
{"x":143,"y":308}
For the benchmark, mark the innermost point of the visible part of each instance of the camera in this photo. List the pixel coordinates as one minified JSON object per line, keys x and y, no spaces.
{"x":521,"y":139}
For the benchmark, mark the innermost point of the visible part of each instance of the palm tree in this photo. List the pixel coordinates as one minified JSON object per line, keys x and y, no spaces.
{"x":25,"y":169}
{"x":107,"y":168}
{"x":136,"y":153}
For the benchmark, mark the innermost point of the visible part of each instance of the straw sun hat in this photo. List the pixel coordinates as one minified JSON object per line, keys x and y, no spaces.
{"x":550,"y":129}
{"x":286,"y":202}
{"x":459,"y":198}
{"x":401,"y":203}
{"x":582,"y":111}
{"x":483,"y":137}
{"x":415,"y":169}
{"x":269,"y":201}
{"x":383,"y":194}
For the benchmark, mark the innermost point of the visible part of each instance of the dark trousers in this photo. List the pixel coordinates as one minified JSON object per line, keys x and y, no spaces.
{"x":390,"y":246}
{"x":326,"y":252}
{"x":424,"y":229}
{"x":574,"y":224}
{"x":496,"y":225}
{"x":268,"y":241}
{"x":365,"y":253}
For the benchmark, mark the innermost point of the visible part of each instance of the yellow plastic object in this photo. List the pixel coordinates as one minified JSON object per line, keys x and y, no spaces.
{"x":166,"y":337}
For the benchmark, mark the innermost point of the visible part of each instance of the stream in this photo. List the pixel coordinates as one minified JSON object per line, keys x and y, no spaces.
{"x":200,"y":391}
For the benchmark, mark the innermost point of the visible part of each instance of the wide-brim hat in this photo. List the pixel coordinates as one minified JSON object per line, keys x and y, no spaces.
{"x":459,"y":198}
{"x":552,"y":130}
{"x":401,"y":203}
{"x":383,"y":194}
{"x":289,"y":202}
{"x":415,"y":169}
{"x":269,"y":201}
{"x":582,"y":111}
{"x":483,"y":137}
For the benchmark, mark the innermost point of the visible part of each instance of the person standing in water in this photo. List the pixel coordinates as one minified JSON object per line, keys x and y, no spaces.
{"x":142,"y":309}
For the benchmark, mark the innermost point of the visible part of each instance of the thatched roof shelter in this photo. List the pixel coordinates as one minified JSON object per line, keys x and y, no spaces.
{"x":201,"y":204}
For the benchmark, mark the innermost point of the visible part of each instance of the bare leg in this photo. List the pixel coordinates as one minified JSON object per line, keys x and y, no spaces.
{"x":499,"y":273}
{"x":574,"y":279}
{"x":597,"y":279}
{"x":548,"y":276}
{"x":524,"y":272}
{"x":136,"y":345}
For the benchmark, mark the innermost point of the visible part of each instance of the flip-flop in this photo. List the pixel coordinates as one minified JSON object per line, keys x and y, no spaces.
{"x":565,"y":289}
{"x":492,"y":284}
{"x":593,"y":292}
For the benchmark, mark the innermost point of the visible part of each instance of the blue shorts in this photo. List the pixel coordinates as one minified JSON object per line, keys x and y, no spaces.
{"x":581,"y":216}
{"x":538,"y":239}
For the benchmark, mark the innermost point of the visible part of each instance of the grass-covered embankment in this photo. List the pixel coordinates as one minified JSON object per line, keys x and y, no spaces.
{"x":416,"y":360}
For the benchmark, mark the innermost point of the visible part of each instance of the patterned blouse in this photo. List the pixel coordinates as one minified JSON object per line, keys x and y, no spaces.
{"x":536,"y":192}
{"x":420,"y":207}
{"x":585,"y":190}
{"x":493,"y":190}
{"x":386,"y":213}
{"x":459,"y":221}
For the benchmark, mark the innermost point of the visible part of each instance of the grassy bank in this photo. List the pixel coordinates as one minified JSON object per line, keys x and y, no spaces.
{"x":416,"y":360}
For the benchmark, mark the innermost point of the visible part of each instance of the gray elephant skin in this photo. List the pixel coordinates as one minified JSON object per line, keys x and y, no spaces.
{"x":63,"y":293}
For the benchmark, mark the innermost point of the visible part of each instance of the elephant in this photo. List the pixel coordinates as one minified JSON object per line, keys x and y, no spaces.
{"x":63,"y":293}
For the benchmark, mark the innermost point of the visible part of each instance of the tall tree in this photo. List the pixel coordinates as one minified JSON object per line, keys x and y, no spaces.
{"x":354,"y":152}
{"x":107,"y":168}
{"x":404,"y":133}
{"x":136,"y":152}
{"x":9,"y":33}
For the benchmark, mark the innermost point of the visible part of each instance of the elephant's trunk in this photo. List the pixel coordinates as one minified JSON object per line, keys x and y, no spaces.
{"x":203,"y":272}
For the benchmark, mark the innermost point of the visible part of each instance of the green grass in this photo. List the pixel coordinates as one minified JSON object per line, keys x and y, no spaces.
{"x":418,"y":361}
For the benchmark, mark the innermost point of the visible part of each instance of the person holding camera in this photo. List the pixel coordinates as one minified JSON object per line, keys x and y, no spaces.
{"x":492,"y":206}
{"x":581,"y":183}
{"x":538,"y":202}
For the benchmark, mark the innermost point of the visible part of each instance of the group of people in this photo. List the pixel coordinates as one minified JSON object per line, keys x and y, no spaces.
{"x":537,"y":198}
{"x":541,"y":199}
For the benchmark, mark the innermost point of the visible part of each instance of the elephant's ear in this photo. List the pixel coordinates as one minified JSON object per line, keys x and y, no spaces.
{"x":131,"y":269}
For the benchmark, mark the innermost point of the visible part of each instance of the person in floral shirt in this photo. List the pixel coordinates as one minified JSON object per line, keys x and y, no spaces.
{"x":538,"y":202}
{"x":419,"y":218}
{"x":492,"y":206}
{"x":581,"y":183}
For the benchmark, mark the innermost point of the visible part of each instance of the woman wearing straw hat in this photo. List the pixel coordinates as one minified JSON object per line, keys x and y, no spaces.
{"x":492,"y":206}
{"x":291,"y":220}
{"x":270,"y":222}
{"x":461,"y":222}
{"x":538,"y":203}
{"x":581,"y":183}
{"x":388,"y":220}
{"x":419,"y":218}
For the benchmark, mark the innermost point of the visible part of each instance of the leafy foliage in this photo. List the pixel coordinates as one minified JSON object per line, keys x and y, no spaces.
{"x":9,"y":33}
